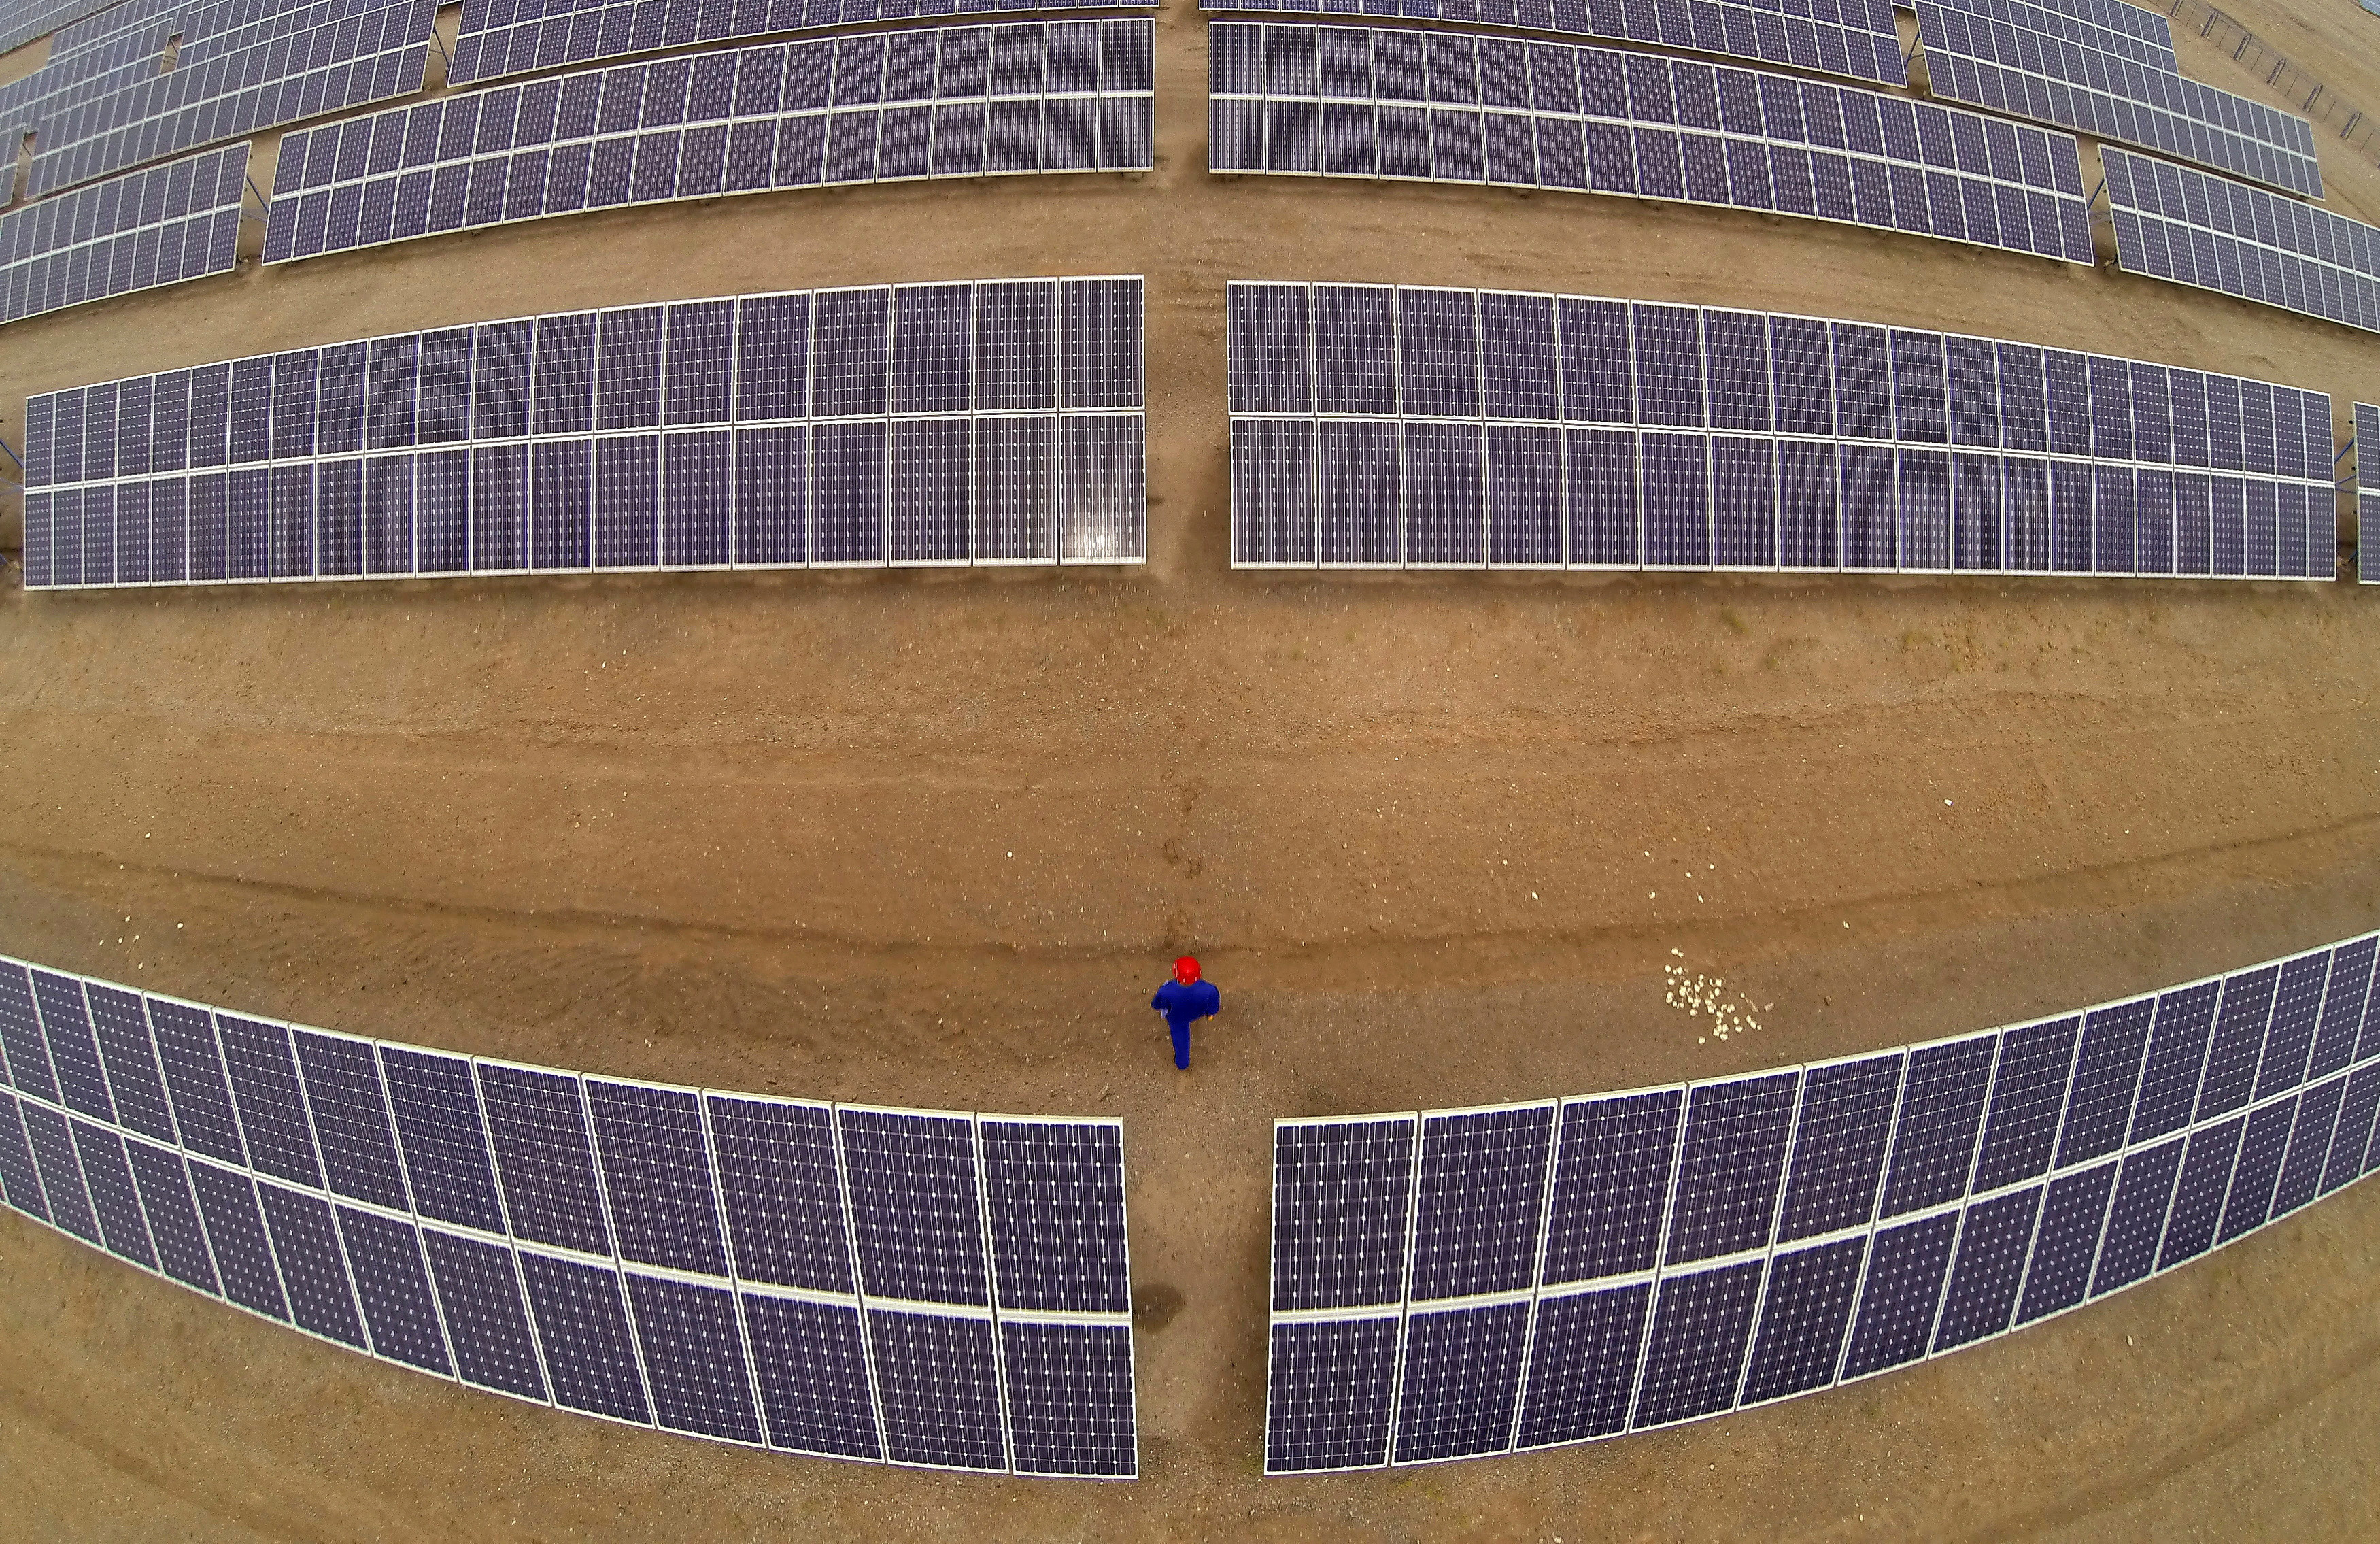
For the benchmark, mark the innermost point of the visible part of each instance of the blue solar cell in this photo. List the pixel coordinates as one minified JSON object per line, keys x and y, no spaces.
{"x":1481,"y":1192}
{"x":1993,"y":1246}
{"x":20,"y":1179}
{"x":1354,"y":348}
{"x":582,"y":1325}
{"x":1730,"y":1164}
{"x":235,"y":1234}
{"x":2239,"y":1041}
{"x":1941,"y":1110}
{"x":2310,"y":1142}
{"x":1701,"y":1327}
{"x":2262,"y":1146}
{"x":173,"y":1217}
{"x":781,"y":1191}
{"x":2107,"y":1072}
{"x":1611,"y":1184}
{"x":437,"y":1111}
{"x":2028,"y":1092}
{"x":1804,"y":1315}
{"x":1327,"y":1404}
{"x":1342,"y":1194}
{"x":2073,"y":1208}
{"x":351,"y":1120}
{"x":812,"y":1370}
{"x":123,"y":1033}
{"x":2297,"y":1008}
{"x":74,"y":1052}
{"x":2185,"y":1020}
{"x":20,"y":1035}
{"x":1904,"y":1286}
{"x":694,"y":1359}
{"x":1055,"y":1193}
{"x":1068,"y":1389}
{"x":392,"y":1286}
{"x":272,"y":1106}
{"x":916,"y":1204}
{"x":2198,"y":1194}
{"x":487,"y":1320}
{"x":112,"y":1197}
{"x":314,"y":1269}
{"x":1838,"y":1145}
{"x":939,"y":1389}
{"x":537,"y":1124}
{"x":1460,"y":1381}
{"x":657,"y":1175}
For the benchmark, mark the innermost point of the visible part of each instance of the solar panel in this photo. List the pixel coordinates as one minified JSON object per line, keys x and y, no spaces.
{"x":2366,"y":444}
{"x":1027,"y":445}
{"x":1925,"y":1199}
{"x":474,"y":1210}
{"x":457,"y":175}
{"x":163,"y":225}
{"x":1662,"y":135}
{"x":1357,"y":441}
{"x":2190,"y":228}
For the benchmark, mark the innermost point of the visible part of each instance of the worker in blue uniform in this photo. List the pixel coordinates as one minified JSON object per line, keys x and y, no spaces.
{"x":1183,"y":1000}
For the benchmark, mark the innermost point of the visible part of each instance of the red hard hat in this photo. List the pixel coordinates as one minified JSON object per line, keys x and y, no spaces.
{"x":1186,"y":969}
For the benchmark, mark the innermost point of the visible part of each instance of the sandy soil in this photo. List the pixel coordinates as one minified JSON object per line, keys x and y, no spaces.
{"x":929,"y":839}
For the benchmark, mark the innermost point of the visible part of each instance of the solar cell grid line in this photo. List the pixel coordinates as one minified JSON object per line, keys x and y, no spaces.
{"x":1850,"y":42}
{"x":167,"y":225}
{"x":1731,"y":159}
{"x":799,"y":136}
{"x":2192,"y":227}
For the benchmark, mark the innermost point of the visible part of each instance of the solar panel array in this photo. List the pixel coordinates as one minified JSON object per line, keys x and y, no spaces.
{"x":138,"y":231}
{"x":1395,"y":103}
{"x":1456,"y":1283}
{"x":1378,"y":426}
{"x":992,"y":422}
{"x":1854,"y":38}
{"x":2006,"y":56}
{"x":2367,"y":492}
{"x":241,"y":66}
{"x":904,"y":1286}
{"x":512,"y":37}
{"x":22,"y":22}
{"x":928,"y":102}
{"x":2194,"y":228}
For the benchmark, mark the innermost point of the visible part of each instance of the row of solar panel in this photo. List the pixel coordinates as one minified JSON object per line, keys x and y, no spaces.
{"x":1999,"y":198}
{"x":234,"y":69}
{"x":31,"y":19}
{"x":1377,"y":350}
{"x":1856,"y":38}
{"x":328,"y":68}
{"x":65,"y":272}
{"x":2367,"y":492}
{"x":2030,"y":75}
{"x":917,"y":65}
{"x":1364,"y":494}
{"x":997,"y":346}
{"x":499,"y":38}
{"x":1931,"y":1197}
{"x":2189,"y":227}
{"x":153,"y":1129}
{"x":1109,"y":131}
{"x":918,"y":492}
{"x":196,"y":185}
{"x":2115,"y":26}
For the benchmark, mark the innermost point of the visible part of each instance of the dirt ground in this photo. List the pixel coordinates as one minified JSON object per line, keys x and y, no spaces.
{"x":929,"y":839}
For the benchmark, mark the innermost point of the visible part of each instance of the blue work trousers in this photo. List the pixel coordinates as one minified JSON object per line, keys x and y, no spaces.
{"x":1181,"y":1045}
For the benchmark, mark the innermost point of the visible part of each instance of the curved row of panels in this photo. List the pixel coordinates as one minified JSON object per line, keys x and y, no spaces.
{"x":1854,"y":38}
{"x":914,"y":1287}
{"x":1379,"y":102}
{"x":1457,"y":1283}
{"x":1019,"y":97}
{"x":998,"y":421}
{"x":1378,"y":426}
